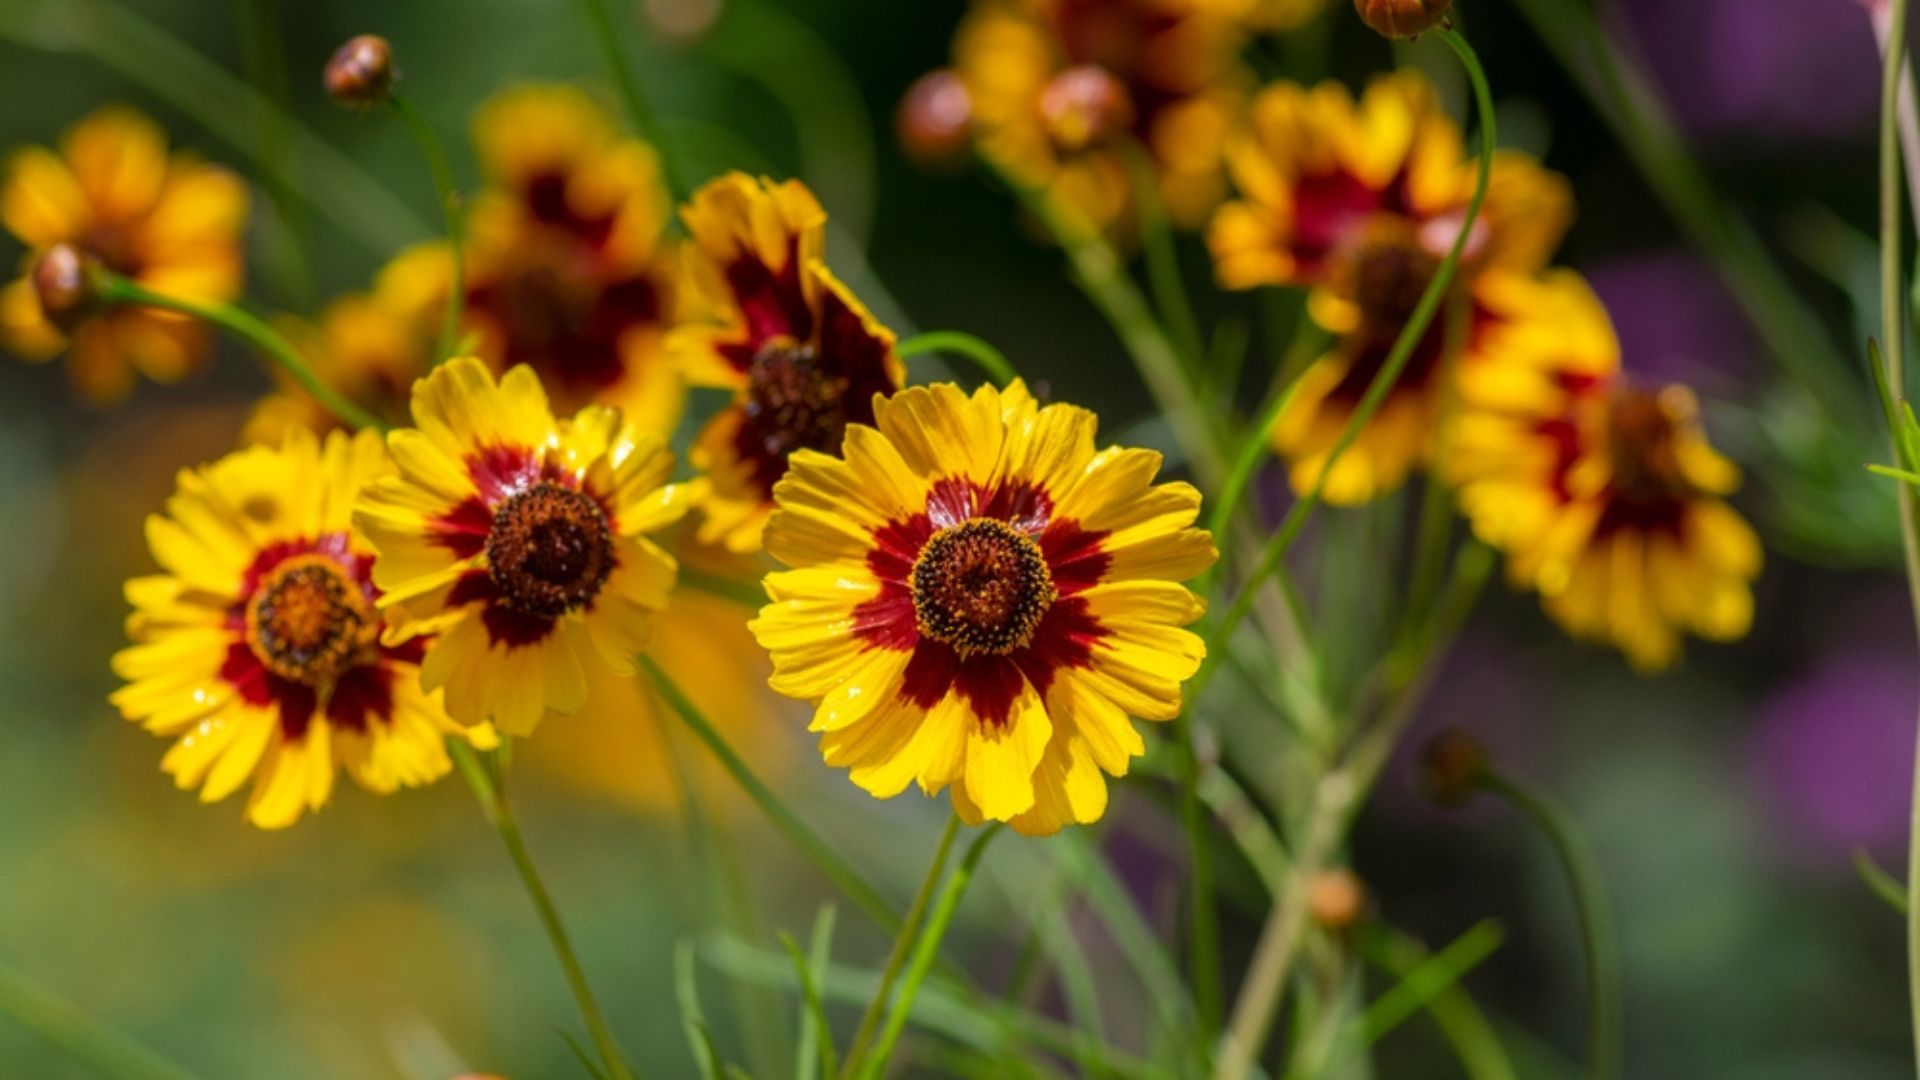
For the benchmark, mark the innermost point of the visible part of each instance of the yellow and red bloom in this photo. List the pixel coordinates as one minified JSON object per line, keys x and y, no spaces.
{"x":259,"y":644}
{"x":1360,"y":202}
{"x":1055,"y":85}
{"x":362,"y":348}
{"x":980,"y":600}
{"x":520,"y":540}
{"x":771,"y":323}
{"x":568,"y":269}
{"x":168,"y":221}
{"x":1605,"y":496}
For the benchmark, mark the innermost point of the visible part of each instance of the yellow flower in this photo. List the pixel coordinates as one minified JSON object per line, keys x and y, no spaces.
{"x":1360,"y":202}
{"x":1056,"y":84}
{"x":1605,"y":496}
{"x":362,"y":348}
{"x":979,"y":600}
{"x":568,"y":269}
{"x":520,"y":541}
{"x":259,"y":645}
{"x":801,"y":355}
{"x":172,"y":223}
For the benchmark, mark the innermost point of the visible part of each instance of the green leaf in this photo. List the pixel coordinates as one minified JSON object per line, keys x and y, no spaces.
{"x":699,"y":1039}
{"x":815,"y":1054}
{"x":580,"y":1053}
{"x":1884,"y":885}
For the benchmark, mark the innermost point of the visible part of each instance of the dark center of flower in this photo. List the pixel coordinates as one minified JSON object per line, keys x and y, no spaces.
{"x":1387,"y":271}
{"x":549,"y":551}
{"x":792,"y":403}
{"x":981,"y":586}
{"x":1643,"y":440}
{"x":308,"y":620}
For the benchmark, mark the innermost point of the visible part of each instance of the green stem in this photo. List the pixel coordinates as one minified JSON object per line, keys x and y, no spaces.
{"x":436,"y":156}
{"x":1894,"y":360}
{"x":115,"y":289}
{"x":1203,"y":922}
{"x":1163,"y":259}
{"x":489,"y":787}
{"x":88,"y":1041}
{"x":1460,"y":1021}
{"x":1255,"y":446}
{"x":1383,"y":383}
{"x":1596,"y":923}
{"x":607,"y":36}
{"x":926,"y":951}
{"x":837,"y":870}
{"x":902,"y":942}
{"x":984,"y":356}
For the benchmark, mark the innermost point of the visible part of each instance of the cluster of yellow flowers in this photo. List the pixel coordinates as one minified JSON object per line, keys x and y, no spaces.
{"x":977,"y":598}
{"x":1603,"y":493}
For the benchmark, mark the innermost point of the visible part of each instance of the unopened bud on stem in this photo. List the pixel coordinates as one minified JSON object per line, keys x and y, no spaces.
{"x":63,"y":279}
{"x":935,"y":120}
{"x":1453,"y":767}
{"x":1085,"y":105}
{"x":1403,"y":18}
{"x":361,"y":73}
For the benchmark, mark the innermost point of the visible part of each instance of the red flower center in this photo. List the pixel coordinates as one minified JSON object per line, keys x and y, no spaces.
{"x":1386,"y":271}
{"x":308,"y":622}
{"x":1643,"y":448}
{"x":982,"y":587}
{"x":792,"y":403}
{"x":549,"y":551}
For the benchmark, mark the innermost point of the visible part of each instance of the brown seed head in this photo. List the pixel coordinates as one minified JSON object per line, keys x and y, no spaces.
{"x":1403,"y":18}
{"x":935,"y":120}
{"x":1452,"y":767}
{"x":63,"y":279}
{"x":1336,"y":899}
{"x":1085,"y":105}
{"x":361,"y":73}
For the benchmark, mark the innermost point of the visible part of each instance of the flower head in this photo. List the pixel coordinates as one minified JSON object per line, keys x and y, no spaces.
{"x":1057,"y":87}
{"x":568,"y":270}
{"x":802,"y":356}
{"x":980,"y":600}
{"x":116,"y":197}
{"x":1605,"y":495}
{"x":934,"y":122}
{"x":520,"y":540}
{"x":1360,"y":201}
{"x":259,"y":645}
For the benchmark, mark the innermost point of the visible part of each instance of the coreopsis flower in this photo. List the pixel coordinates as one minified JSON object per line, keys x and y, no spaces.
{"x":259,"y":645}
{"x":979,"y":601}
{"x":360,"y":347}
{"x":1056,"y":85}
{"x":801,"y":355}
{"x":568,"y":269}
{"x":1360,"y":202}
{"x":520,"y":540}
{"x":1604,"y":495}
{"x":168,"y":221}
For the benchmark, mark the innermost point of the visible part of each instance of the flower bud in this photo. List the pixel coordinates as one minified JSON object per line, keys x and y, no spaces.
{"x":1452,"y":766}
{"x":935,"y":120}
{"x":361,"y":73}
{"x":1403,"y":18}
{"x":1085,"y":105}
{"x":1336,"y":899}
{"x":63,"y":280}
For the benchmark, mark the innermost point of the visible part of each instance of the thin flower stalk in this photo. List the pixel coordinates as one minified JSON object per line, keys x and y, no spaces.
{"x":902,"y":945}
{"x":487,"y":779}
{"x":1893,"y":358}
{"x":926,"y":951}
{"x":115,"y":289}
{"x":449,"y":196}
{"x":991,"y":361}
{"x":1597,"y":945}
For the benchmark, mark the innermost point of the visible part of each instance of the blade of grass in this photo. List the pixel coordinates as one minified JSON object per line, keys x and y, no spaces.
{"x":82,"y":1037}
{"x":815,"y":1055}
